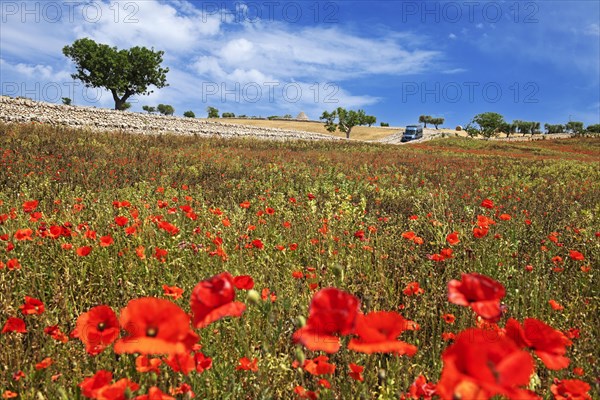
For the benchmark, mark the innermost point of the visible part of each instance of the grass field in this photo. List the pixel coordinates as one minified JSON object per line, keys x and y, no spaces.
{"x":130,"y":221}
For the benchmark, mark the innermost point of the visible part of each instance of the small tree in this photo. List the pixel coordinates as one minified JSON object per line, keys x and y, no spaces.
{"x":384,"y":124}
{"x":229,"y":115}
{"x":122,"y":72}
{"x":165,"y":109}
{"x":66,"y":101}
{"x":425,"y":119}
{"x":550,"y":128}
{"x":487,"y":124}
{"x":508,"y":129}
{"x":574,"y":127}
{"x":370,"y":120}
{"x":593,"y":128}
{"x":346,"y":120}
{"x":189,"y":114}
{"x":436,"y":121}
{"x":149,"y":109}
{"x":212,"y":112}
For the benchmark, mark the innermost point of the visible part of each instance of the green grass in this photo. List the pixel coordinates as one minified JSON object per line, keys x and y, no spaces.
{"x":553,"y":184}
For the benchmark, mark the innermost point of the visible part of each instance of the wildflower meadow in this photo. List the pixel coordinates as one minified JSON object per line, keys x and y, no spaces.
{"x":179,"y":267}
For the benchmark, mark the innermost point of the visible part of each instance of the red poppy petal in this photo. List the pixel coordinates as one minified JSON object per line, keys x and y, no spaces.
{"x":314,"y":341}
{"x":392,"y":346}
{"x":553,"y":361}
{"x":234,"y":309}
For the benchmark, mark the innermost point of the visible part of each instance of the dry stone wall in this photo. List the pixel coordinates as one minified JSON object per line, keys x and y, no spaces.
{"x":22,"y":110}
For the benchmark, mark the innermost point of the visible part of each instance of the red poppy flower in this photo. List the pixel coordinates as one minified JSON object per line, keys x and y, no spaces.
{"x":30,"y":206}
{"x":547,"y":343}
{"x":45,"y":363}
{"x":55,"y":333}
{"x":106,"y":241}
{"x":117,"y":390}
{"x":305,"y":394}
{"x":356,"y":372}
{"x":245,"y":204}
{"x":172,"y":291}
{"x":155,"y":393}
{"x":413,"y":288}
{"x":555,"y":305}
{"x":421,"y":389}
{"x":213,"y":299}
{"x":243,"y":282}
{"x":480,"y":232}
{"x":570,"y":389}
{"x":97,"y":328}
{"x":144,"y":364}
{"x":480,"y":365}
{"x":92,"y":385}
{"x":575,"y":255}
{"x":14,"y":324}
{"x":155,"y":326}
{"x":84,"y":251}
{"x":121,"y":220}
{"x":32,"y":306}
{"x":377,"y":333}
{"x":452,"y":238}
{"x":247,"y":365}
{"x":319,"y":366}
{"x":487,"y":203}
{"x":408,"y":235}
{"x":448,"y":336}
{"x":449,"y":318}
{"x":257,"y":243}
{"x":297,"y":274}
{"x":160,"y":254}
{"x":484,"y":222}
{"x":202,"y":362}
{"x":332,"y":311}
{"x":181,"y":362}
{"x":184,"y":388}
{"x":170,"y":228}
{"x":13,"y":264}
{"x":479,"y":292}
{"x":23,"y":234}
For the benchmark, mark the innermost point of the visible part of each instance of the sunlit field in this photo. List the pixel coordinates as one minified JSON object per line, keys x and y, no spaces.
{"x":161,"y":267}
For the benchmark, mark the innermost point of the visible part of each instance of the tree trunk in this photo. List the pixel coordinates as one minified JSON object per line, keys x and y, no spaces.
{"x":119,"y":102}
{"x":348,"y":133}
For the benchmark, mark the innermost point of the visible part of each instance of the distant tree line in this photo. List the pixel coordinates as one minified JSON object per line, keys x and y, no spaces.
{"x":491,"y":124}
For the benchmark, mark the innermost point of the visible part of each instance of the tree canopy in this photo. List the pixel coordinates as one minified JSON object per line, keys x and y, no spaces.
{"x":124,"y":72}
{"x":346,"y":120}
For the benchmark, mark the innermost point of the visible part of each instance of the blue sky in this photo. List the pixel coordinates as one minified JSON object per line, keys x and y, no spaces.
{"x":529,"y":60}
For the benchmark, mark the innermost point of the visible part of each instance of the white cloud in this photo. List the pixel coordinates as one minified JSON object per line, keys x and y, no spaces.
{"x":592,"y":30}
{"x":452,"y":36}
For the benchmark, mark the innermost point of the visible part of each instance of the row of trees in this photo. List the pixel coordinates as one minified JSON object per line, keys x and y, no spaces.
{"x":428,"y":119}
{"x":344,"y":120}
{"x":490,"y":124}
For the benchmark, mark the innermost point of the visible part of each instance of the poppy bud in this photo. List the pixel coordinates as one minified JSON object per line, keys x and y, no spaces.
{"x":253,"y":297}
{"x":300,"y":321}
{"x":381,"y":375}
{"x":300,"y":356}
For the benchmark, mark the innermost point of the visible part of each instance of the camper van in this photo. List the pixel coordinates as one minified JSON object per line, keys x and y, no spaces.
{"x":412,"y":132}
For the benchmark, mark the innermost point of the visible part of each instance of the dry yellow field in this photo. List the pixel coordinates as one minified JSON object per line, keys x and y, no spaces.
{"x":358,"y":132}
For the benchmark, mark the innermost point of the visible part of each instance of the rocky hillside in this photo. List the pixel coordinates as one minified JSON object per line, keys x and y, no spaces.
{"x":25,"y":110}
